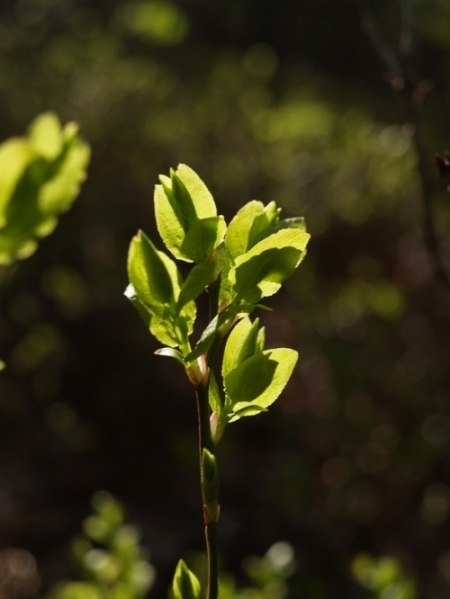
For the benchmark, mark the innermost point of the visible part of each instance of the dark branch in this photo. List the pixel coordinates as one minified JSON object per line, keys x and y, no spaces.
{"x":412,"y":92}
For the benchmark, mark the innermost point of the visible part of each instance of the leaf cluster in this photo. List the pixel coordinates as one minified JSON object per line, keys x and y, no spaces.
{"x":240,"y":265}
{"x":40,"y":176}
{"x":108,"y":556}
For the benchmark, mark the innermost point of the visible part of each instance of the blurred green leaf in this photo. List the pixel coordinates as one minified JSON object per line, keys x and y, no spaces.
{"x":40,"y":176}
{"x":185,"y":583}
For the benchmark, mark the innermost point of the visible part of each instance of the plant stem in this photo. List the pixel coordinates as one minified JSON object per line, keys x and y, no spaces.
{"x":206,"y":442}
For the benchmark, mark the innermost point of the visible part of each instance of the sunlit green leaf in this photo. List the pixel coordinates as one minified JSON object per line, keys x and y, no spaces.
{"x":250,"y":410}
{"x":241,"y":344}
{"x":203,"y":237}
{"x":249,"y":225}
{"x":148,"y":273}
{"x":181,"y":201}
{"x":214,"y":397}
{"x":156,"y":282}
{"x":259,"y":380}
{"x":261,"y":271}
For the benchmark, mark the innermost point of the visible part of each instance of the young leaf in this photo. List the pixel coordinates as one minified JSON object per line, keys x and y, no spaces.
{"x":249,"y":226}
{"x":203,"y":237}
{"x":196,"y":282}
{"x":155,"y":288}
{"x":202,"y":199}
{"x":214,"y":397}
{"x":249,"y":410}
{"x":241,"y":344}
{"x":148,"y":273}
{"x":261,"y":271}
{"x":185,"y":583}
{"x":171,"y":353}
{"x":214,"y":329}
{"x":259,"y":380}
{"x":225,"y":263}
{"x":181,"y":201}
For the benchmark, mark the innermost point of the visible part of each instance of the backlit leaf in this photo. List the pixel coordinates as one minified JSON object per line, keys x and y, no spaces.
{"x":181,"y":201}
{"x":261,"y":271}
{"x":148,"y":273}
{"x":196,"y":282}
{"x":241,"y":344}
{"x":260,"y":379}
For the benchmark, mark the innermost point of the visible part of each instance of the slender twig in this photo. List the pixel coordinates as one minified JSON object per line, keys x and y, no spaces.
{"x":206,"y":442}
{"x":407,"y":41}
{"x":412,"y":92}
{"x":384,"y":51}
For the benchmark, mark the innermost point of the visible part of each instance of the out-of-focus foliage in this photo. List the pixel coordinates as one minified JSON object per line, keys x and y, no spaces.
{"x":108,"y":556}
{"x":40,"y":176}
{"x":268,"y":575}
{"x":384,"y":577}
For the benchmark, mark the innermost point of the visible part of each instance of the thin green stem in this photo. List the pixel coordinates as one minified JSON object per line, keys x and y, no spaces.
{"x":206,"y":442}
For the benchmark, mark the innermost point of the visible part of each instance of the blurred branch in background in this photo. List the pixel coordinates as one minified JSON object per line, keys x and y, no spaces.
{"x":412,"y":91}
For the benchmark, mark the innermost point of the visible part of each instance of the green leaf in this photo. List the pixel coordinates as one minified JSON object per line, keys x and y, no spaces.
{"x":211,"y":332}
{"x":202,"y":199}
{"x":171,"y":353}
{"x":259,"y":380}
{"x":148,"y":273}
{"x":261,"y":339}
{"x":185,"y":583}
{"x":250,"y":410}
{"x":225,"y":263}
{"x":163,"y":327}
{"x":181,"y":201}
{"x":241,"y":344}
{"x":156,"y":282}
{"x":261,"y":271}
{"x":203,"y":237}
{"x":214,"y":396}
{"x":196,"y":282}
{"x":3,"y":366}
{"x":296,"y":222}
{"x":206,"y":340}
{"x":249,"y":226}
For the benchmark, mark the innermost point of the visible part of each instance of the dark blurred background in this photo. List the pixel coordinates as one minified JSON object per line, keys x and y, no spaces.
{"x":286,"y":101}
